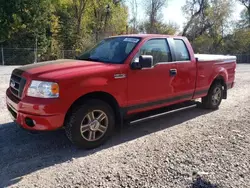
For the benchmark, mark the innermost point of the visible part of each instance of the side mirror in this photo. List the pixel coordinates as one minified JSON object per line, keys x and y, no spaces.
{"x":145,"y":61}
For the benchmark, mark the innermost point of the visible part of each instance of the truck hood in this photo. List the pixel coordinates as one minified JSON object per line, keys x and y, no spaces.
{"x":58,"y":68}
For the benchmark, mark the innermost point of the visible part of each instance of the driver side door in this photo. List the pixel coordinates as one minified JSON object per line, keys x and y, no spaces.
{"x":150,"y":87}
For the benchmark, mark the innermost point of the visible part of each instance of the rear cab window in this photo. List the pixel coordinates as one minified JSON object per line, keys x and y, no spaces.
{"x":181,"y":51}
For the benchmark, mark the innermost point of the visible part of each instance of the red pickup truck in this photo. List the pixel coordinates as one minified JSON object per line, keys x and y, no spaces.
{"x":120,"y":76}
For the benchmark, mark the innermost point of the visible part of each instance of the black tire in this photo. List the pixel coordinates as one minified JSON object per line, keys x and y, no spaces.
{"x":208,"y":101}
{"x":74,"y":123}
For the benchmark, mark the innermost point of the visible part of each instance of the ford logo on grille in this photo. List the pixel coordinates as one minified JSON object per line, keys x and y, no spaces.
{"x":12,"y":83}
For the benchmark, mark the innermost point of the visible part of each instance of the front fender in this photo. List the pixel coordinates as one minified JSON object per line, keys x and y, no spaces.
{"x":78,"y":88}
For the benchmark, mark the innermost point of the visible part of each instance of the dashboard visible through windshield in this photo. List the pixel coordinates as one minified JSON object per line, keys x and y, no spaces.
{"x":111,"y":50}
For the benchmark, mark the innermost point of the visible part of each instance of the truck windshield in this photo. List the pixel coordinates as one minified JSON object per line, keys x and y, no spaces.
{"x":111,"y":50}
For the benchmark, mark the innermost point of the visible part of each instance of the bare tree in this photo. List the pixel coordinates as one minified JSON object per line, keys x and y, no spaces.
{"x":134,"y":11}
{"x":79,"y":6}
{"x":207,"y":19}
{"x":116,"y":2}
{"x":246,"y":3}
{"x":101,"y":16}
{"x":195,"y":9}
{"x":153,"y":10}
{"x":205,"y":16}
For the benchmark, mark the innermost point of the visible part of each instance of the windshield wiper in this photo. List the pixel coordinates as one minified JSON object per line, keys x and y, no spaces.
{"x":93,"y":59}
{"x":102,"y":60}
{"x":88,"y":59}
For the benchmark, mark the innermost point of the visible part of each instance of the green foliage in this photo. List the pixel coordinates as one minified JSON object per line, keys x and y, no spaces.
{"x":107,"y":18}
{"x":238,"y":42}
{"x":67,"y":25}
{"x":24,"y":19}
{"x":210,"y":29}
{"x":59,"y":24}
{"x":78,"y":24}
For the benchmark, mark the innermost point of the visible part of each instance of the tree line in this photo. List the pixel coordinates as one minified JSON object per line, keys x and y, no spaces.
{"x":79,"y":24}
{"x":60,"y":24}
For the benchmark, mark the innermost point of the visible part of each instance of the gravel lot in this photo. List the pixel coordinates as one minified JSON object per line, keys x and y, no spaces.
{"x":190,"y":148}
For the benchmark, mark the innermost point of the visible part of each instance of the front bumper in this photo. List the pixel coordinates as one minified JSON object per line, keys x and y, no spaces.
{"x":35,"y":114}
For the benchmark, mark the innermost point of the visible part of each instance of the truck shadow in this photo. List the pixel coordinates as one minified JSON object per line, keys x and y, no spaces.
{"x":201,"y":183}
{"x":23,"y":153}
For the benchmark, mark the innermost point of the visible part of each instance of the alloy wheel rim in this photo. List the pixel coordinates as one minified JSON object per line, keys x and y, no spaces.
{"x":94,"y":125}
{"x":216,"y":97}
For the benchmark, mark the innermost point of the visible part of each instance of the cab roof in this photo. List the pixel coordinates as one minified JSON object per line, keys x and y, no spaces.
{"x":148,"y":36}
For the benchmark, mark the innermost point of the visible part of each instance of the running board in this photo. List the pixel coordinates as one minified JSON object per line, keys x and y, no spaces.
{"x":193,"y":105}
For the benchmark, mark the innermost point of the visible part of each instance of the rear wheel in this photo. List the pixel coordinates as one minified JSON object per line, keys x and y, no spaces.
{"x":214,"y":97}
{"x":90,"y":124}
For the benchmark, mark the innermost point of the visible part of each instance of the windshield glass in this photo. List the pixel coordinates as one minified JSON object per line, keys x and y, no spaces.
{"x":111,"y":50}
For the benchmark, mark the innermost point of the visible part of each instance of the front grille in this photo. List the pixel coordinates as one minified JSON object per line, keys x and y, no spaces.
{"x":17,"y":83}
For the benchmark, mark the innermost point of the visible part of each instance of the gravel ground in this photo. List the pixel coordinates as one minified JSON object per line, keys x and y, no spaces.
{"x":190,"y":148}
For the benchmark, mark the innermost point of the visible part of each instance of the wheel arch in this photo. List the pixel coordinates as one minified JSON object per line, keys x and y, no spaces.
{"x":221,"y":79}
{"x":104,"y":96}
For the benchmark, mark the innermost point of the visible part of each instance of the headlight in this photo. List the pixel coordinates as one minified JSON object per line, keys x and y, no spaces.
{"x":42,"y":89}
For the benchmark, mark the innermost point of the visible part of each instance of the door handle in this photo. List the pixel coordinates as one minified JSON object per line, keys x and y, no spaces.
{"x":173,"y":72}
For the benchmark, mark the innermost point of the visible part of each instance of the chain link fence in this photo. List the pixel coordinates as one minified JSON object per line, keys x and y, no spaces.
{"x":23,"y":56}
{"x":68,"y":54}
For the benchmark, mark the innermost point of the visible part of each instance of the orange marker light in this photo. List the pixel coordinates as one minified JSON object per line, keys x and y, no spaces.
{"x":55,"y":89}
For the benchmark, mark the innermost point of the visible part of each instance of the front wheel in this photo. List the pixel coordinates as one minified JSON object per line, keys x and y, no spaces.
{"x":214,"y":97}
{"x":90,"y":124}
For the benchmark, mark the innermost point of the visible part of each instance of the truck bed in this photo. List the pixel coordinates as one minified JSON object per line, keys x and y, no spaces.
{"x":209,"y":66}
{"x":210,"y":57}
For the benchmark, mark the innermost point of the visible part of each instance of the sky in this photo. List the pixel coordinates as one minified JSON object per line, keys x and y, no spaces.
{"x":173,"y":13}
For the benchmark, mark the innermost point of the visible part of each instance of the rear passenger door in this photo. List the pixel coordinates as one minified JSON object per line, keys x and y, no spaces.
{"x":185,"y":79}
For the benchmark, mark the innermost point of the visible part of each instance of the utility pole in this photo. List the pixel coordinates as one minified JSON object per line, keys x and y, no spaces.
{"x":35,"y":51}
{"x":108,"y":12}
{"x":2,"y":55}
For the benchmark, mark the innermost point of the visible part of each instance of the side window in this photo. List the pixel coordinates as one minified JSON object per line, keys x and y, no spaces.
{"x":158,"y":48}
{"x":181,"y":50}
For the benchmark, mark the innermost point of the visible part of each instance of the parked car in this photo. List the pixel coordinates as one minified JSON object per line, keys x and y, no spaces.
{"x":122,"y":75}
